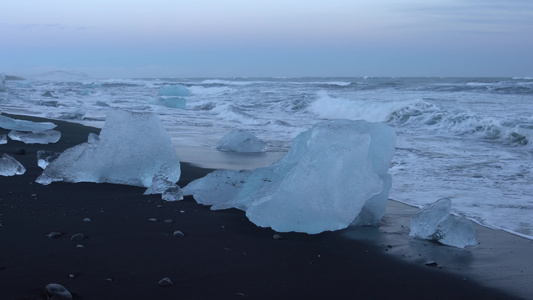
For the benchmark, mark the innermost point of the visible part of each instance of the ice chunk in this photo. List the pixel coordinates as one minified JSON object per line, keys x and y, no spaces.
{"x":3,"y":139}
{"x":241,"y":141}
{"x":323,"y":183}
{"x":131,"y":150}
{"x":172,"y":194}
{"x":23,"y":125}
{"x":10,"y":166}
{"x":174,"y":90}
{"x":174,"y":102}
{"x":434,"y":222}
{"x":43,"y":137}
{"x":44,"y":158}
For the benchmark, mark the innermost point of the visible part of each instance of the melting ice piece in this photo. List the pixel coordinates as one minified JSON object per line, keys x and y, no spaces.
{"x":44,"y":158}
{"x":434,"y":222}
{"x":3,"y":139}
{"x":131,"y":150}
{"x":42,"y":137}
{"x":169,"y":190}
{"x":10,"y":166}
{"x":23,"y":125}
{"x":241,"y":141}
{"x":174,"y":90}
{"x":329,"y":175}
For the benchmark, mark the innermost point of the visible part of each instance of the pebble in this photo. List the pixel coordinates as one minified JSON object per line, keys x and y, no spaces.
{"x":54,"y":291}
{"x":77,"y":237}
{"x":54,"y":234}
{"x":153,"y":220}
{"x":166,"y":282}
{"x":178,"y":233}
{"x":431,"y":263}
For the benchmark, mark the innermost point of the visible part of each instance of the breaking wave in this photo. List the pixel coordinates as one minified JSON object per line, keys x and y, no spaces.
{"x":421,"y":114}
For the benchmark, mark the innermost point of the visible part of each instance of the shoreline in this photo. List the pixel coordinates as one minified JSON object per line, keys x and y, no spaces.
{"x":223,"y":255}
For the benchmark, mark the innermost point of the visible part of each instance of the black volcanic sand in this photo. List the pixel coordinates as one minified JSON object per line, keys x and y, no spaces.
{"x":221,"y":256}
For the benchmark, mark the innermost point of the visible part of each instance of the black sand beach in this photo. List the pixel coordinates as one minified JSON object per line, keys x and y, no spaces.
{"x":222,"y":255}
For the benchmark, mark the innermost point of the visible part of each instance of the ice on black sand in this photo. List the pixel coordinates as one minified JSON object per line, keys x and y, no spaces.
{"x":334,"y":174}
{"x":10,"y":166}
{"x":132,"y":149}
{"x":434,"y":222}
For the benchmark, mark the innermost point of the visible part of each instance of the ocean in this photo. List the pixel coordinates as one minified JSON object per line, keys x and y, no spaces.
{"x":469,"y":139}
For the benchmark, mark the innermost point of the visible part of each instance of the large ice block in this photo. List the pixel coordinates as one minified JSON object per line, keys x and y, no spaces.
{"x":240,"y":141}
{"x":131,"y":149}
{"x":329,"y":174}
{"x":434,"y":222}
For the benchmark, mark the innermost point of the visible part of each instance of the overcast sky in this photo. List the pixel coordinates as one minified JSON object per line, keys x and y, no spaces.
{"x":215,"y":38}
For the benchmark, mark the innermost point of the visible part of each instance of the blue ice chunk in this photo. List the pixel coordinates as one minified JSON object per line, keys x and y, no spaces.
{"x":174,"y":90}
{"x":131,"y":149}
{"x":10,"y":166}
{"x":329,"y":174}
{"x":23,"y":125}
{"x":241,"y":141}
{"x":434,"y":222}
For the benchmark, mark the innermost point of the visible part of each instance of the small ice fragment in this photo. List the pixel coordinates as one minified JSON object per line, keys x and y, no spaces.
{"x":172,"y":194}
{"x":42,"y":137}
{"x":434,"y":222}
{"x":240,"y":141}
{"x":46,"y":157}
{"x":87,"y":220}
{"x":10,"y":166}
{"x":153,"y":220}
{"x":23,"y":125}
{"x":3,"y":139}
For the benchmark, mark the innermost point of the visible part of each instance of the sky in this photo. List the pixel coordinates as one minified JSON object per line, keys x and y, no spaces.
{"x":280,"y":38}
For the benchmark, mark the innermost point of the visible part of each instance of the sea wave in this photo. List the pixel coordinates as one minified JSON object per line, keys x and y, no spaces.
{"x":421,"y":114}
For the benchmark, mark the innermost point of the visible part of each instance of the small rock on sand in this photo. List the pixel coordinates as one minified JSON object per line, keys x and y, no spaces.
{"x":54,"y":234}
{"x":77,"y":237}
{"x":166,"y":282}
{"x":54,"y":291}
